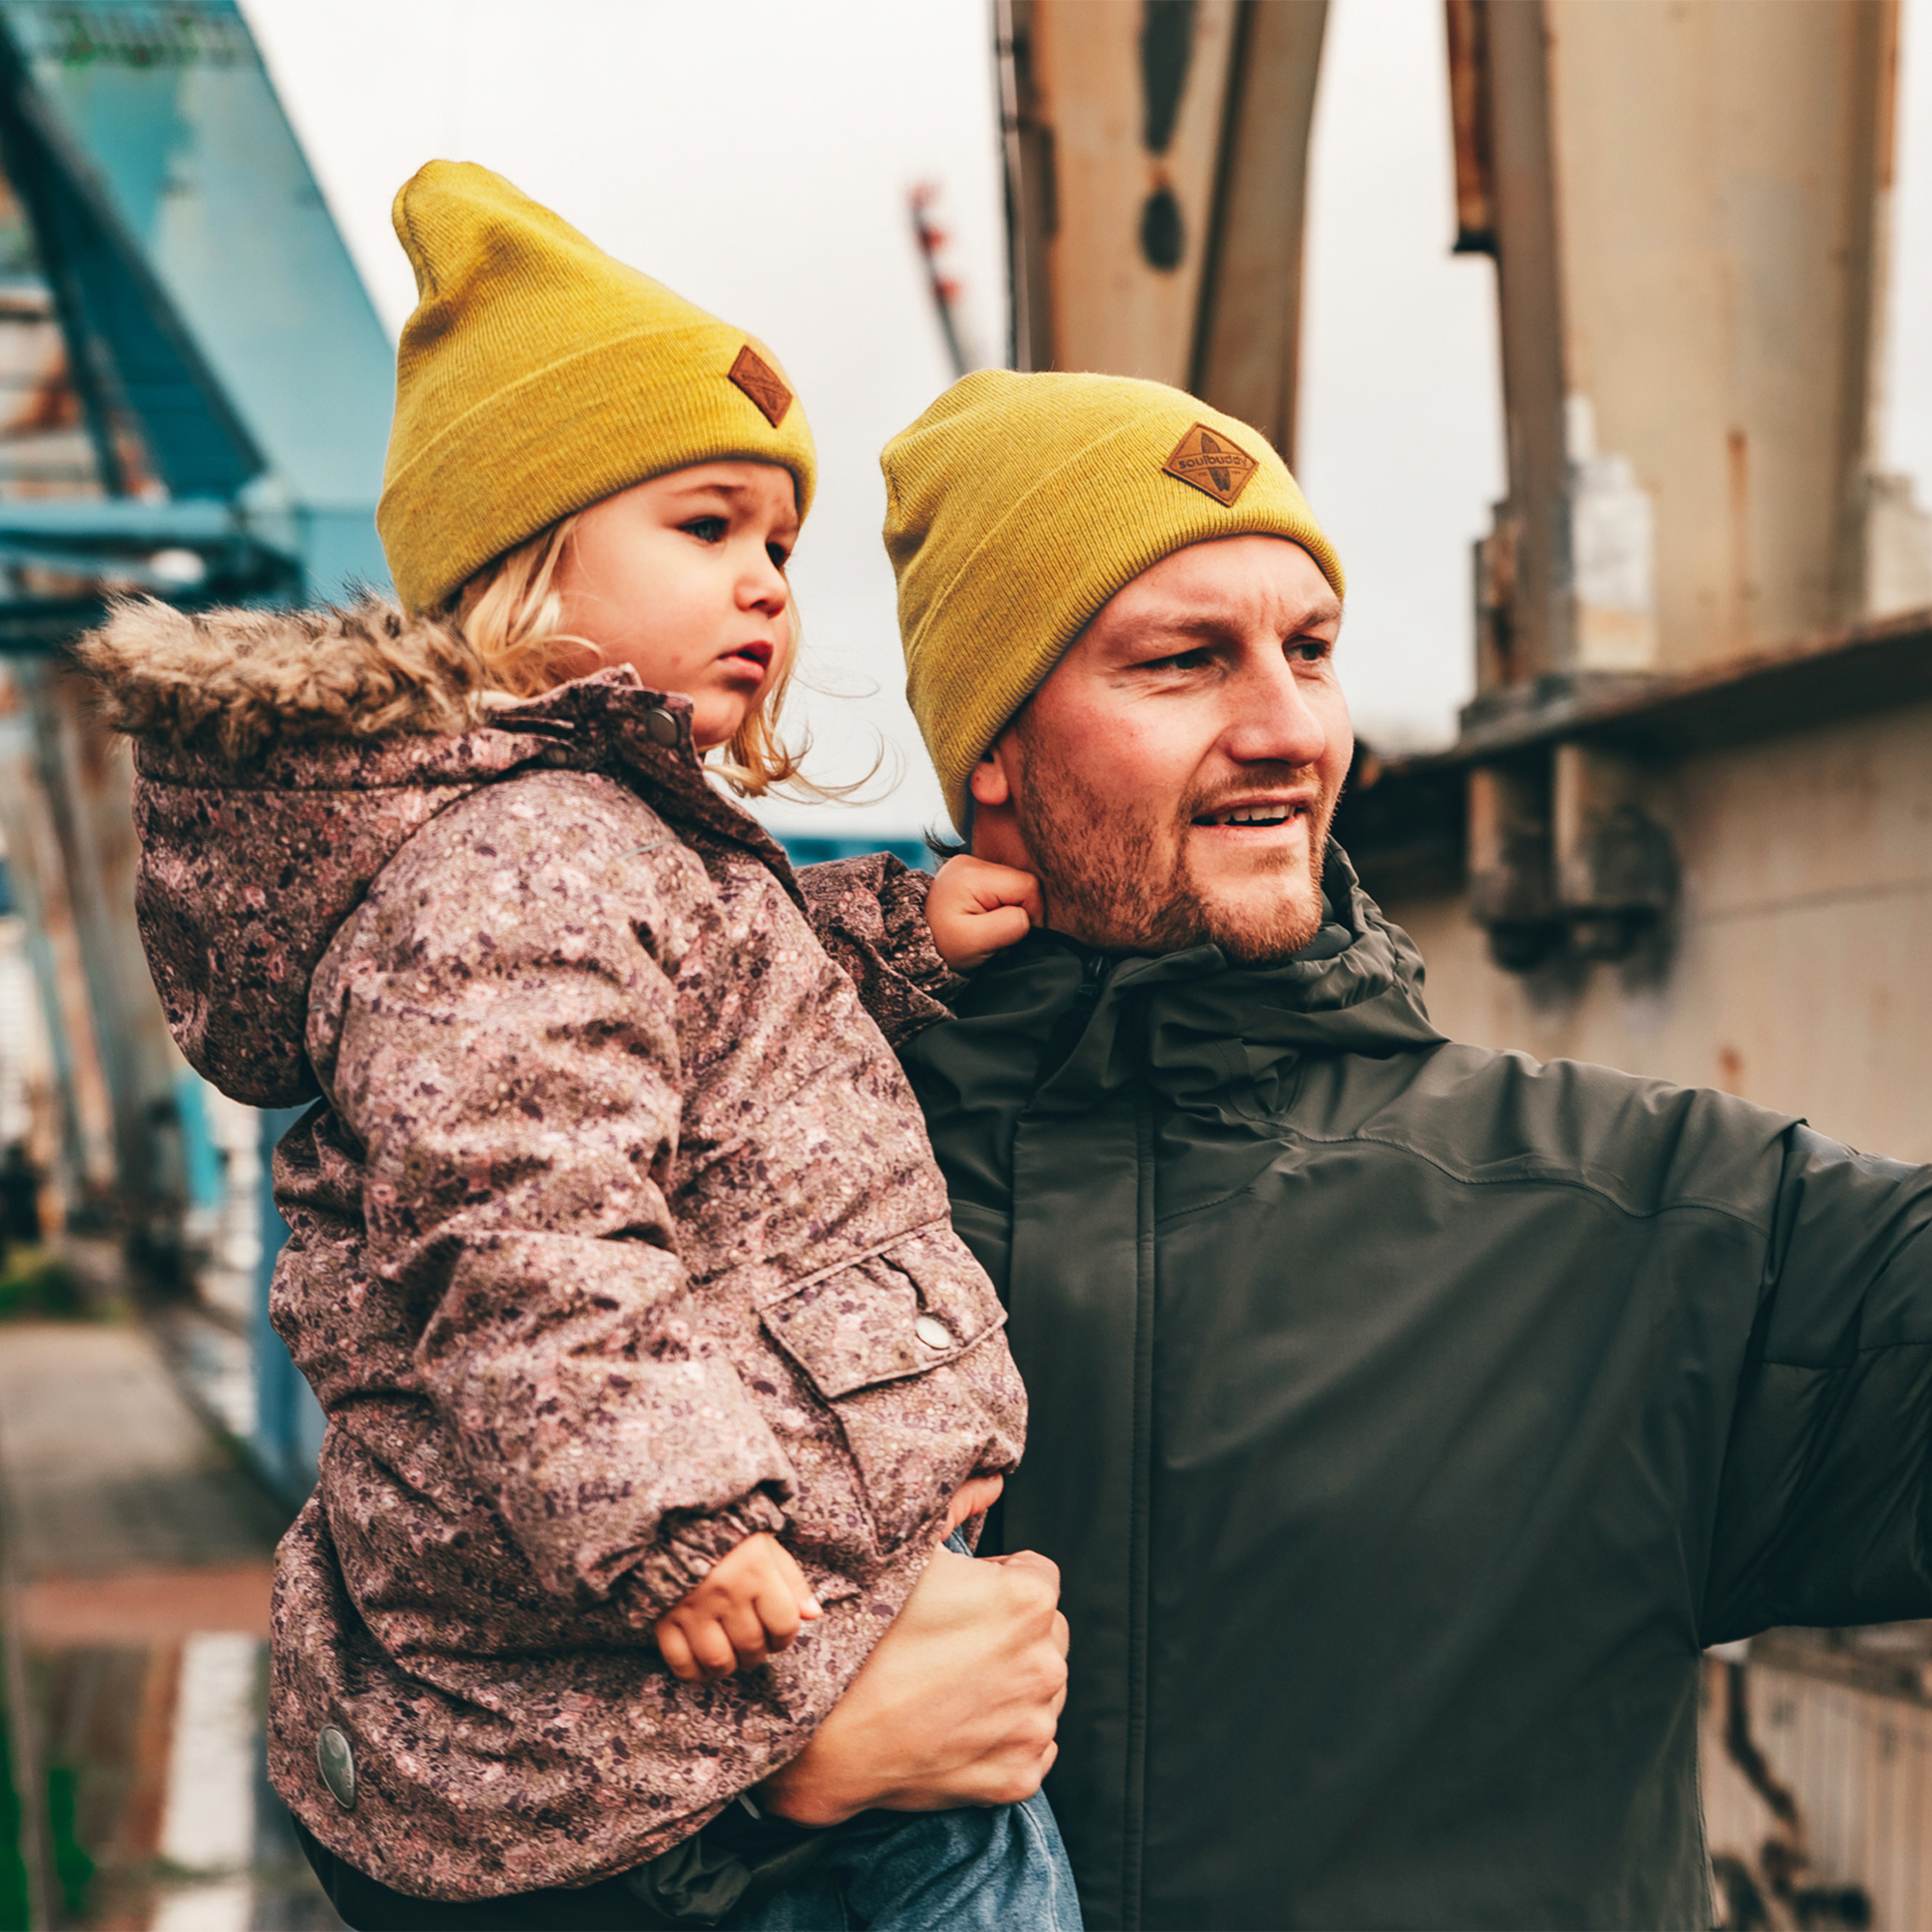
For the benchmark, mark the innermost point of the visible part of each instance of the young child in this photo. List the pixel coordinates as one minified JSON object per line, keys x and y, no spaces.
{"x":654,"y":1370}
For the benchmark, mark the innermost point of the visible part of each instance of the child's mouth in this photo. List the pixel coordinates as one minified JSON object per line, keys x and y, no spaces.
{"x":756,"y":657}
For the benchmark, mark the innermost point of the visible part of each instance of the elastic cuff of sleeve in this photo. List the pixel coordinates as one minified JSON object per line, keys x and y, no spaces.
{"x":909,"y":938}
{"x":685,"y":1552}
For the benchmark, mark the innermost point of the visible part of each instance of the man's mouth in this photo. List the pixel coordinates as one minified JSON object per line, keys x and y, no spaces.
{"x":1262,"y":812}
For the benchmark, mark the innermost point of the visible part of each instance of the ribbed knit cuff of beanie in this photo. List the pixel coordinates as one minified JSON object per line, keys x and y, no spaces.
{"x":1018,"y":504}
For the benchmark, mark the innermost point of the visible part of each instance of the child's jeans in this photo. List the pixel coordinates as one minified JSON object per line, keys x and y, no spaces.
{"x":1002,"y":1869}
{"x":998,"y":1869}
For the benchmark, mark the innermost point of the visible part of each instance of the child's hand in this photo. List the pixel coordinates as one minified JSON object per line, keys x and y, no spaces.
{"x":976,"y":908}
{"x":749,"y":1607}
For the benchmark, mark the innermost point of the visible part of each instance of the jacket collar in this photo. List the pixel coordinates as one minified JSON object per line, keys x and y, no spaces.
{"x":613,"y":718}
{"x":1196,"y":1022}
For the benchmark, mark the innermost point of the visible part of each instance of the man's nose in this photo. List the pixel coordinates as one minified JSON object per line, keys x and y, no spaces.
{"x":1270,"y":719}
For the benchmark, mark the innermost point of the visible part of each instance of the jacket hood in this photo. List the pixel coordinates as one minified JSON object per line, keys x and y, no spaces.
{"x":282,"y":758}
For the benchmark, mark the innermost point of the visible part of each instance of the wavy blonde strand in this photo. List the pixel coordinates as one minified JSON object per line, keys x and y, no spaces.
{"x":511,"y":615}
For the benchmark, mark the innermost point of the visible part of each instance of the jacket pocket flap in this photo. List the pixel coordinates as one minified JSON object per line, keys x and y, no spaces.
{"x":898,"y":1311}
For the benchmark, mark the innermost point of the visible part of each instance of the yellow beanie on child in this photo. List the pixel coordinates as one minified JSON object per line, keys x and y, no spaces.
{"x":1017,"y":505}
{"x":537,"y":375}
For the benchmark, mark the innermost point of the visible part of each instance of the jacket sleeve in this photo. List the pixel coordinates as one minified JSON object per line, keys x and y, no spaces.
{"x":1825,"y":1505}
{"x":869,"y":915}
{"x":502,"y":1039}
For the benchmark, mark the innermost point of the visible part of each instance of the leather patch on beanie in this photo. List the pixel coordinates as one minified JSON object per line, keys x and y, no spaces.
{"x":1211,"y":463}
{"x":760,"y":381}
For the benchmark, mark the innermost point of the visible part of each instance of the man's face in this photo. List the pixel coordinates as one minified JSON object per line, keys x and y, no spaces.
{"x":1173,"y":781}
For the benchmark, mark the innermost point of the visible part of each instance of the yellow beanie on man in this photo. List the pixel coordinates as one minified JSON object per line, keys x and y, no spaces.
{"x":537,"y":375}
{"x":1017,"y":505}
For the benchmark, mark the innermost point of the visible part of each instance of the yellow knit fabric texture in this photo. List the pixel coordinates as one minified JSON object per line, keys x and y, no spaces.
{"x":1017,"y":505}
{"x":537,"y":375}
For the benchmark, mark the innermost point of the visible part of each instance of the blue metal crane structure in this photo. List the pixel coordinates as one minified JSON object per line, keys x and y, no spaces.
{"x":194,"y":399}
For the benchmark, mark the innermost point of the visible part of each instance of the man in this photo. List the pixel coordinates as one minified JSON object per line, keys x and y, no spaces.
{"x":1407,"y":1417}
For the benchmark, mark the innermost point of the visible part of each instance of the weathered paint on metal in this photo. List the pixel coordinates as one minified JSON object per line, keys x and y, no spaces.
{"x":1157,"y":164}
{"x":1691,"y":301}
{"x":39,"y":877}
{"x":1466,"y":23}
{"x":1846,"y":1731}
{"x":1247,"y":338}
{"x":1129,"y":106}
{"x":175,"y":116}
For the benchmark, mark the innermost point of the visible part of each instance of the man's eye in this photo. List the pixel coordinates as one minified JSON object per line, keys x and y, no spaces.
{"x":706,"y":530}
{"x":1184,"y":660}
{"x":1307,"y":650}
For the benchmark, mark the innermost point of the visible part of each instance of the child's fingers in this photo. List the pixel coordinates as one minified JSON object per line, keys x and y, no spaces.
{"x":1002,"y":926}
{"x":1020,"y":890}
{"x":716,"y":1655}
{"x":745,"y":1632}
{"x":779,"y":1613}
{"x":675,"y":1651}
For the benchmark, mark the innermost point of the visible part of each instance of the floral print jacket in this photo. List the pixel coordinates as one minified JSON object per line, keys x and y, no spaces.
{"x":615,"y":1230}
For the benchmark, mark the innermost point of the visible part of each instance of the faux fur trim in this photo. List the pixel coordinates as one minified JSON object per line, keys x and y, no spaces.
{"x":234,"y":681}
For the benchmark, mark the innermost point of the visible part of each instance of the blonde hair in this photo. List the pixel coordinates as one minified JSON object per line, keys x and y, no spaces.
{"x":511,"y":614}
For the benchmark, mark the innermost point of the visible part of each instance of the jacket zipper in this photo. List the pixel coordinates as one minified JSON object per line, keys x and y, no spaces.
{"x":1139,"y":1601}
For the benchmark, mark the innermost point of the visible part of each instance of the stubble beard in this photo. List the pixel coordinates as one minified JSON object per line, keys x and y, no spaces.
{"x":1121,"y":881}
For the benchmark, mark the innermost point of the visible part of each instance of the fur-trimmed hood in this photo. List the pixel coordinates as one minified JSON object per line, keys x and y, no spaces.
{"x":283,"y":758}
{"x":229,"y":684}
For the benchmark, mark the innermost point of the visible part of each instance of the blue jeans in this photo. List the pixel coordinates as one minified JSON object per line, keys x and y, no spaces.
{"x":998,"y":1869}
{"x":1002,"y":1869}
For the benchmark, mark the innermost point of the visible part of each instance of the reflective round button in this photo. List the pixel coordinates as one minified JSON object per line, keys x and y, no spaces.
{"x":337,"y":1764}
{"x":933,"y":1332}
{"x":662,"y":725}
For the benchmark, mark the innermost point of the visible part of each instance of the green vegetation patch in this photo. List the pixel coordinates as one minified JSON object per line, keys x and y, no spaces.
{"x":36,"y":1282}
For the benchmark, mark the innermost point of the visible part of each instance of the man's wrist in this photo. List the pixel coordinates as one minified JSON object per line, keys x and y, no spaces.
{"x":798,"y":1793}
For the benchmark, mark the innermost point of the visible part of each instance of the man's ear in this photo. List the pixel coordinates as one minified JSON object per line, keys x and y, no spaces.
{"x":995,"y":784}
{"x":989,"y":781}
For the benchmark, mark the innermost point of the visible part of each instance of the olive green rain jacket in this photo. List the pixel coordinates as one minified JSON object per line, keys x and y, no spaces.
{"x":1406,"y":1418}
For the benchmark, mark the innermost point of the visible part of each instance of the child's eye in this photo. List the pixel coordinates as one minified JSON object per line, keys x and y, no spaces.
{"x":779,"y":556}
{"x":706,"y":530}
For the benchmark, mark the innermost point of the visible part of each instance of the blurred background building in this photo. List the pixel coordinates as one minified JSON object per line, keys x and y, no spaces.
{"x":1601,"y":334}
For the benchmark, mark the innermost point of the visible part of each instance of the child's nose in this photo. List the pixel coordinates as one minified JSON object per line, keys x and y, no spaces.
{"x":765,"y":585}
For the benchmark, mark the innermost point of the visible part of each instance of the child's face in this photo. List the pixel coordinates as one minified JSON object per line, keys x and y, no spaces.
{"x":683,"y":579}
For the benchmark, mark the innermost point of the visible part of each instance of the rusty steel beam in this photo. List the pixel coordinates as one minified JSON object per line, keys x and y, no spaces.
{"x":1157,"y":162}
{"x":66,"y":782}
{"x":1691,"y":303}
{"x":85,"y":1181}
{"x":1247,"y":340}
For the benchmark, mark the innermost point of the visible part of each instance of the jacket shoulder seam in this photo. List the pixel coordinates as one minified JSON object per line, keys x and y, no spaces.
{"x":1576,"y":1182}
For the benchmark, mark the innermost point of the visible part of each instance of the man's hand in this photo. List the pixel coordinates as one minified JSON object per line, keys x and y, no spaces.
{"x":974,"y":1496}
{"x":976,"y":908}
{"x":748,"y":1605}
{"x":957,"y":1706}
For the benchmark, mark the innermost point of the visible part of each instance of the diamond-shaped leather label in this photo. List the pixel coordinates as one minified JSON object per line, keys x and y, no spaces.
{"x":1211,"y":462}
{"x":760,"y":381}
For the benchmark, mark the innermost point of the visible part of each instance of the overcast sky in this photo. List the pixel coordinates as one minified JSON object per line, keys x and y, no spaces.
{"x":756,"y":155}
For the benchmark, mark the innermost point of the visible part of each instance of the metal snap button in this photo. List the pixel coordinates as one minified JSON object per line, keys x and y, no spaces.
{"x":662,"y":726}
{"x":933,"y":1332}
{"x":337,"y":1765}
